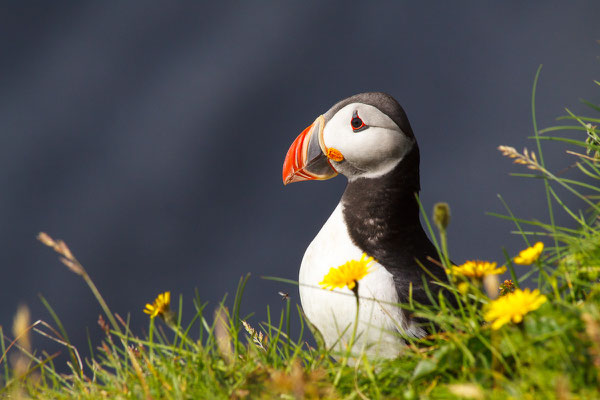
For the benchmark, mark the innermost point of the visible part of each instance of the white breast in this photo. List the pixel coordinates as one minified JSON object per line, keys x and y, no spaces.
{"x":333,"y":312}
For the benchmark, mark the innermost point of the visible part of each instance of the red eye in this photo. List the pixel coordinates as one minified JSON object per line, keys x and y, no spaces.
{"x":357,"y":123}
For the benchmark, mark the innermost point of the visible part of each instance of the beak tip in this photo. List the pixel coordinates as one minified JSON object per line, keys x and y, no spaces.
{"x":288,"y":178}
{"x":288,"y":174}
{"x":297,"y":167}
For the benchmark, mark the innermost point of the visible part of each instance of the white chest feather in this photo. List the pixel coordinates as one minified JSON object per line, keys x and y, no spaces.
{"x":333,"y":312}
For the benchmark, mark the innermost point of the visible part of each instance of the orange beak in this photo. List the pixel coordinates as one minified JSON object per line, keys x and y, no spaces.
{"x":306,"y":159}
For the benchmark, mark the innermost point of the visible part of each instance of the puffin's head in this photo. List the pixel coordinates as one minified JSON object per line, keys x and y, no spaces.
{"x":363,"y":136}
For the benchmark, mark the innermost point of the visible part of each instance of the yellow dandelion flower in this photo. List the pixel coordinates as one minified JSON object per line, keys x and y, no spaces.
{"x":463,"y":288}
{"x":347,"y":274}
{"x":513,"y":306}
{"x":530,"y":254}
{"x":160,"y":306}
{"x":476,"y":269}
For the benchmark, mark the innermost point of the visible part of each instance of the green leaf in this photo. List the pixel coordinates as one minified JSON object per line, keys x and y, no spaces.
{"x":424,"y":367}
{"x":316,"y":333}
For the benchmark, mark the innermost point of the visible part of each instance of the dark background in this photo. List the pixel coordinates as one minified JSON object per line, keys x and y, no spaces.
{"x":151,"y":135}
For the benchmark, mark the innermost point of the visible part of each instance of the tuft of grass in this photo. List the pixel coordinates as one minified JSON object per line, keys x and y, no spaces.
{"x":554,"y":352}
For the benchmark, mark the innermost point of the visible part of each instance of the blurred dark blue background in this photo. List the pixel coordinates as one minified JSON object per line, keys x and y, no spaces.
{"x":151,"y":135}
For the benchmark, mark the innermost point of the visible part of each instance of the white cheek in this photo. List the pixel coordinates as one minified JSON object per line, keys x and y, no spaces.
{"x":374,"y":151}
{"x":373,"y":147}
{"x":381,"y":156}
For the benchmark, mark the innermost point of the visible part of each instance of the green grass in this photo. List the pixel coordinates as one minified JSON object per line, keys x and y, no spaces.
{"x":553,"y":353}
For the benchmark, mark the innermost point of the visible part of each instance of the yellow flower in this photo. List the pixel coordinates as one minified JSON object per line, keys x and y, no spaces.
{"x":513,"y":306}
{"x":347,"y":274}
{"x":530,"y":254}
{"x":476,"y":269}
{"x":160,"y":305}
{"x":463,"y":288}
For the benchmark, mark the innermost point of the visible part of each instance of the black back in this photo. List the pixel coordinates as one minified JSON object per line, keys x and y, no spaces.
{"x":382,"y":215}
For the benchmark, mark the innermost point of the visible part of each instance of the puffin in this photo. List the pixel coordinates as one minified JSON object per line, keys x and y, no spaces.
{"x":368,"y":139}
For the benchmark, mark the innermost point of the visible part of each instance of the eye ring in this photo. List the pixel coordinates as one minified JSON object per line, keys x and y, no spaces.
{"x":357,"y":123}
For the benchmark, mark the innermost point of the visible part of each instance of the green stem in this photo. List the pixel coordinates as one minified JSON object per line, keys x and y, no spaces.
{"x":287,"y":328}
{"x":541,"y":156}
{"x":511,"y":268}
{"x":352,"y":338}
{"x":444,"y":241}
{"x":551,"y":280}
{"x":100,"y":299}
{"x":151,"y":338}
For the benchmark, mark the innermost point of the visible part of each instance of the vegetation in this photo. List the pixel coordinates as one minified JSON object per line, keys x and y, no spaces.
{"x":497,"y":341}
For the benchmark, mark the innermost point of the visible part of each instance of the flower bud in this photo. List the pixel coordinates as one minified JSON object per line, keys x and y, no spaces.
{"x":441,"y":215}
{"x":507,"y":287}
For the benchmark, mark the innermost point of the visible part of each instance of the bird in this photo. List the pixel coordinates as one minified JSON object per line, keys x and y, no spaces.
{"x":368,"y":139}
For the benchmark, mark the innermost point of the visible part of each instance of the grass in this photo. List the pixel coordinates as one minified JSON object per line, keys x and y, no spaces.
{"x":553,"y":353}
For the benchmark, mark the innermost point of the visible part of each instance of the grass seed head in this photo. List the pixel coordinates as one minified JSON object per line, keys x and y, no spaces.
{"x":74,"y":266}
{"x":103,"y":324}
{"x":258,"y":338}
{"x":46,"y":239}
{"x":527,"y":158}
